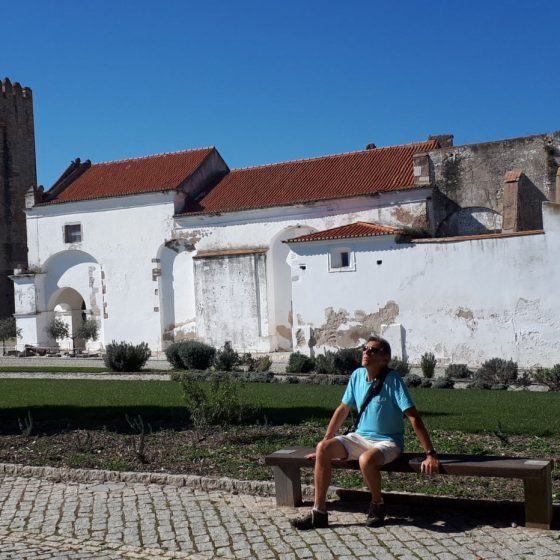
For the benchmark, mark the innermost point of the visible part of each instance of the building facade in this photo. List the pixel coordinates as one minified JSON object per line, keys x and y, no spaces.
{"x":309,"y":254}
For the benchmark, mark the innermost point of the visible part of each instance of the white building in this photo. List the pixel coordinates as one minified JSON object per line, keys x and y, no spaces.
{"x":177,"y":246}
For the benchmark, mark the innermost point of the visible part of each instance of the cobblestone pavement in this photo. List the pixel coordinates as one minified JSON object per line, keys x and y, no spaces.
{"x":42,"y":519}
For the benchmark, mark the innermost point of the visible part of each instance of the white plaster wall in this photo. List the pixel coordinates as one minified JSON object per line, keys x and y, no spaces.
{"x":466,"y":301}
{"x":122,"y":235}
{"x":261,"y":229}
{"x":231,"y":301}
{"x":122,"y":240}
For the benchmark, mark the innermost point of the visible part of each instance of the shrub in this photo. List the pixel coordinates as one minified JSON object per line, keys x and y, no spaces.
{"x":216,"y":404}
{"x":443,"y":383}
{"x":346,"y":360}
{"x":299,"y":363}
{"x":548,"y":376}
{"x":325,"y":363}
{"x":428,"y":364}
{"x":264,"y":363}
{"x":412,"y":380}
{"x":190,"y":354}
{"x":426,"y":383}
{"x":226,"y":358}
{"x":122,"y":356}
{"x":497,"y":372}
{"x":458,"y":371}
{"x":399,"y":365}
{"x":172,"y":355}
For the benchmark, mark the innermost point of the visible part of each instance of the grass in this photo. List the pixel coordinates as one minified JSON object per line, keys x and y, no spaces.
{"x":91,"y":403}
{"x":459,"y":421}
{"x":67,"y":369}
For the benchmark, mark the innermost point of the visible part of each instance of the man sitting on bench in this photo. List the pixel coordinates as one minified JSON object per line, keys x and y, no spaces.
{"x":378,"y":437}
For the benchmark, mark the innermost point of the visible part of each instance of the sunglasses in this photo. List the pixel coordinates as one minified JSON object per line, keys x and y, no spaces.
{"x":369,"y":350}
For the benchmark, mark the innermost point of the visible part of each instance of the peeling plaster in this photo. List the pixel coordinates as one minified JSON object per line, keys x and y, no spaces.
{"x":468,"y":316}
{"x":343,"y":330}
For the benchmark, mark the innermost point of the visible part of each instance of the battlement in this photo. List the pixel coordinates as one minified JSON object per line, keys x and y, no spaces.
{"x":15,"y":90}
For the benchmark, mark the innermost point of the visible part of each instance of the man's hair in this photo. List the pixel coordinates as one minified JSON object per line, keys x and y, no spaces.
{"x":383,"y":344}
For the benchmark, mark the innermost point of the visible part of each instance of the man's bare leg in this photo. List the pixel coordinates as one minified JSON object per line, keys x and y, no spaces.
{"x":371,"y":462}
{"x":326,"y":451}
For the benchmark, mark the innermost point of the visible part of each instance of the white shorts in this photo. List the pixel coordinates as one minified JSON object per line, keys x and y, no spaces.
{"x":355,"y":445}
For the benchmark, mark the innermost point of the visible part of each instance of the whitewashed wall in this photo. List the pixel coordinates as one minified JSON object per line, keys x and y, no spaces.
{"x":111,"y":268}
{"x":466,"y":301}
{"x":134,"y":267}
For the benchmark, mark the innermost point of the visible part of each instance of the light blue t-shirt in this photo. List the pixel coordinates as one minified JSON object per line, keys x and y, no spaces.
{"x":383,"y":416}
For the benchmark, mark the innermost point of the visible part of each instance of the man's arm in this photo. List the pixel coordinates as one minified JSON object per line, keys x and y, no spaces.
{"x":430,"y":465}
{"x":339,"y":416}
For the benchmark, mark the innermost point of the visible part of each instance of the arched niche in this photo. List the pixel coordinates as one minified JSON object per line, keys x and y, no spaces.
{"x":279,"y":281}
{"x":176,"y":291}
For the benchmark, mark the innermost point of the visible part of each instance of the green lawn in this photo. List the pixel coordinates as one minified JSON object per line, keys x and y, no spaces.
{"x":61,"y":403}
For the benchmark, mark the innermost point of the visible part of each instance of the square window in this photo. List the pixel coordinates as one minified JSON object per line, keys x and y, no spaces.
{"x":72,"y":233}
{"x":341,"y":260}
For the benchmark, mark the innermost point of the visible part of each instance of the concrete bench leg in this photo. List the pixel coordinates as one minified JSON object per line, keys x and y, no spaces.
{"x":538,"y":501}
{"x":287,"y":482}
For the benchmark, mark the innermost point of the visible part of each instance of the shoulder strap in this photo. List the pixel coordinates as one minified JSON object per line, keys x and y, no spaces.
{"x":373,"y":391}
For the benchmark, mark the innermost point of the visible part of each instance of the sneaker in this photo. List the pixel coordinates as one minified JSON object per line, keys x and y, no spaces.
{"x":376,"y":515}
{"x":314,"y":520}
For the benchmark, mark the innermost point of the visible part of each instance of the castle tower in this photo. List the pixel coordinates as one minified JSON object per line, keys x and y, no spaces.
{"x":17,"y":175}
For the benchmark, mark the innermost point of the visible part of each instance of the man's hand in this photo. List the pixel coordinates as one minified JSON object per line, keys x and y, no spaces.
{"x":430,"y":465}
{"x":311,"y":455}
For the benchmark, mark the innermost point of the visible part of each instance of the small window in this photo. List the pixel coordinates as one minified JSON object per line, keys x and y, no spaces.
{"x":72,"y":233}
{"x":341,"y":260}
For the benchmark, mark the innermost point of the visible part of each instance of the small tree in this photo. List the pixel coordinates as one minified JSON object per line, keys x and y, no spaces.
{"x":58,"y":329}
{"x":88,"y":330}
{"x":428,"y":364}
{"x":8,"y":329}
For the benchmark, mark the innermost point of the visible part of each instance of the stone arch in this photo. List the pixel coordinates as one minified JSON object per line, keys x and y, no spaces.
{"x":68,"y":305}
{"x":176,"y":294}
{"x":74,"y":281}
{"x":279,"y":282}
{"x":473,"y":220}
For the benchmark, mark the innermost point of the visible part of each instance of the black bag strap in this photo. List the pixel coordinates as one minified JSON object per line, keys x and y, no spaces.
{"x":373,"y":391}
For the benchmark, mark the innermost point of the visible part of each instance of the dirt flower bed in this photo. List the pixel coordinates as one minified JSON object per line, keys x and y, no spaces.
{"x":238,"y":452}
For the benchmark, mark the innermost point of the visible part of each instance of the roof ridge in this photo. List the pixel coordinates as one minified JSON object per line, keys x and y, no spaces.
{"x":155,"y":155}
{"x":329,"y":156}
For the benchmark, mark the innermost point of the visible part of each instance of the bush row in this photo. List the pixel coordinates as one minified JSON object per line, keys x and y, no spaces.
{"x":341,"y":362}
{"x":195,"y":355}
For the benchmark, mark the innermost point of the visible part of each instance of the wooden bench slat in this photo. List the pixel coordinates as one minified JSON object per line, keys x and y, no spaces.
{"x":451,"y":464}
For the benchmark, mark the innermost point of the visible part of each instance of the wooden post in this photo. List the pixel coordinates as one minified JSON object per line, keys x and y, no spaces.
{"x":287,"y":482}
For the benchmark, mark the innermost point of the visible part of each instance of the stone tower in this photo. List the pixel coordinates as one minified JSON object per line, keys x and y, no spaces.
{"x":17,"y":175}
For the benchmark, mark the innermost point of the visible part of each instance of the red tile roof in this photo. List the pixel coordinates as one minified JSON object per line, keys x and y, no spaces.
{"x":322,"y":178}
{"x":358,"y":229}
{"x":132,"y":176}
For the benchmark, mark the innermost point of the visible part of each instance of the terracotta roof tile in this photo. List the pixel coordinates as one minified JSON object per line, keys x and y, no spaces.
{"x":358,"y":229}
{"x":133,"y":176}
{"x":323,"y":178}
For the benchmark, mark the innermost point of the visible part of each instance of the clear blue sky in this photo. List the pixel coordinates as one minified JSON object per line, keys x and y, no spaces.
{"x":271,"y":81}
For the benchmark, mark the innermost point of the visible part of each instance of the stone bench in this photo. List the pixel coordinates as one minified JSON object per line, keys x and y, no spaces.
{"x":536,"y":475}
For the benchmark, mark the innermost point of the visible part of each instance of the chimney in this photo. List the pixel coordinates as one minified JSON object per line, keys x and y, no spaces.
{"x":445,"y":140}
{"x":371,"y":146}
{"x":421,"y":166}
{"x":511,"y":211}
